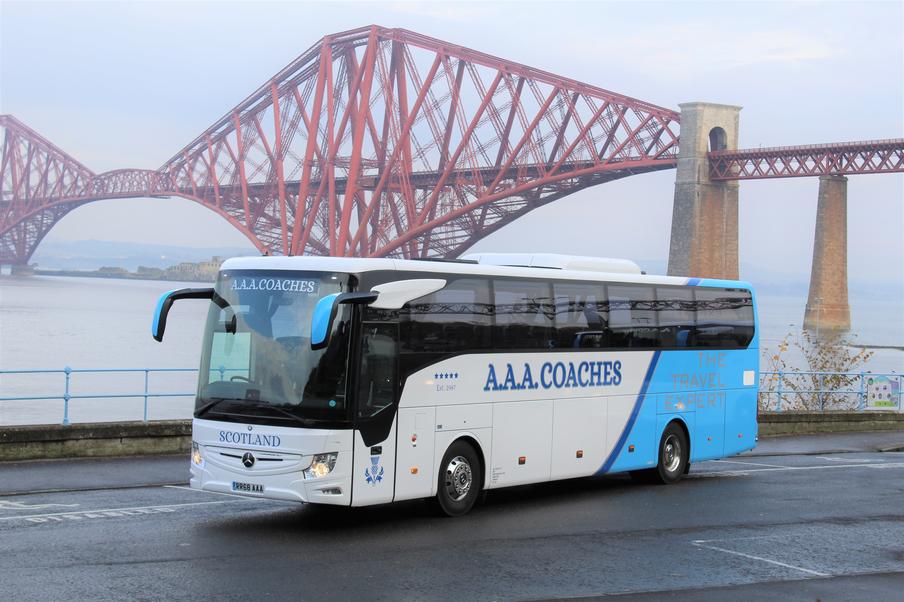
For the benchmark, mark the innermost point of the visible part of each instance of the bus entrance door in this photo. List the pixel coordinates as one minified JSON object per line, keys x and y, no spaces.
{"x":377,"y":392}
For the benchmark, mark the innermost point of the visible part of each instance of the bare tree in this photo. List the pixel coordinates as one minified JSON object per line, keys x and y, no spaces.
{"x":830,"y":357}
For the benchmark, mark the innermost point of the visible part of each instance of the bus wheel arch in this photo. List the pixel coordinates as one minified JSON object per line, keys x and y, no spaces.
{"x":481,"y":456}
{"x":462,"y":459}
{"x":675,"y":433}
{"x":670,"y":468}
{"x":687,"y":438}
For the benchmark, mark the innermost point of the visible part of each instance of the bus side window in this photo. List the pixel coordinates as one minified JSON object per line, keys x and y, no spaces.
{"x":677,"y":322}
{"x":378,"y":378}
{"x":524,"y":315}
{"x":724,"y":317}
{"x":454,"y":319}
{"x":633,"y":316}
{"x":582,"y":320}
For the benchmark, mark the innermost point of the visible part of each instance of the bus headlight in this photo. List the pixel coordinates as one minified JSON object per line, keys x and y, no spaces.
{"x":196,"y":458}
{"x":321,"y":466}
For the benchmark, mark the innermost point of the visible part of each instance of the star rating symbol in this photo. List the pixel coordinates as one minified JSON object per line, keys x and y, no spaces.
{"x":445,"y":375}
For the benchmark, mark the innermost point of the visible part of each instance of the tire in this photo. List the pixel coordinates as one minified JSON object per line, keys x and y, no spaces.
{"x":460,"y":480}
{"x":672,"y":461}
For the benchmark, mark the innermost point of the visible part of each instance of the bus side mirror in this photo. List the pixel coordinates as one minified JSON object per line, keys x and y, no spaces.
{"x":325,"y":313}
{"x":166,"y":301}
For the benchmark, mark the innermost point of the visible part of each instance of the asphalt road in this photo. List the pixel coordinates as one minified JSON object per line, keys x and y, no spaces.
{"x":783,"y":527}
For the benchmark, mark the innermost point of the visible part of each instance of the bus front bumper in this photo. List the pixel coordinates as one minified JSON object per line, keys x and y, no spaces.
{"x":293,"y":486}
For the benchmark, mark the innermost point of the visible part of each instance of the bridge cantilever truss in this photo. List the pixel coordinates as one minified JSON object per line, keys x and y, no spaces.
{"x":382,"y":141}
{"x":374,"y":142}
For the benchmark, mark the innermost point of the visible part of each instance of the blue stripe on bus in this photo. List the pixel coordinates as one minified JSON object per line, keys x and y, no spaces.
{"x":633,"y":418}
{"x":693,"y":281}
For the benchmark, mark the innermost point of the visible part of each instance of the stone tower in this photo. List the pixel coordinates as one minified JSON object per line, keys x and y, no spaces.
{"x":705,"y":214}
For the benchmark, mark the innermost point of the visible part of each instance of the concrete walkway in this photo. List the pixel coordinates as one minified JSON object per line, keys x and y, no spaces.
{"x":82,"y":474}
{"x":141,"y":471}
{"x":825,"y":443}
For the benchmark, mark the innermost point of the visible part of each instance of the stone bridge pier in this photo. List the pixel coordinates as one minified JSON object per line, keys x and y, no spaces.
{"x":705,"y":214}
{"x":704,"y":240}
{"x":827,"y":305}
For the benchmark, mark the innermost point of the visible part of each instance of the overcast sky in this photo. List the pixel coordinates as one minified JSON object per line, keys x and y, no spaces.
{"x":127,"y":85}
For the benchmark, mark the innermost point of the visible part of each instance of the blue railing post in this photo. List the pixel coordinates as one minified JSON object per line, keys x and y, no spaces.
{"x":68,"y":372}
{"x":822,"y":399}
{"x":862,"y":403}
{"x":778,"y":403}
{"x":146,"y":371}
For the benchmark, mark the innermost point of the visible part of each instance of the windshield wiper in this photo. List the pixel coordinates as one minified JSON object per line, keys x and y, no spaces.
{"x":207,"y":406}
{"x":275,"y":408}
{"x":258,"y":406}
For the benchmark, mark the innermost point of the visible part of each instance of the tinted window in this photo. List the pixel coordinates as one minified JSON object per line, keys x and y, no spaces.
{"x":632,"y":316}
{"x":524,"y":315}
{"x":377,"y":378}
{"x":452,"y":320}
{"x":724,"y":317}
{"x":582,"y":318}
{"x":676,"y":316}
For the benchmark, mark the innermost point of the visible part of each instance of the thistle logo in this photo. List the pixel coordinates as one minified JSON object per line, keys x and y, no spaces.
{"x":373,"y":474}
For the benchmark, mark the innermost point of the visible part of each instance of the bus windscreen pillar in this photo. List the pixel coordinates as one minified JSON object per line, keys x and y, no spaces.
{"x":704,"y":239}
{"x":827,"y":304}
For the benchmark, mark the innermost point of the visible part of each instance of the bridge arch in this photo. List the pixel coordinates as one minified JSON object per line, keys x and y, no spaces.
{"x":390,"y":158}
{"x":718,"y":139}
{"x":19,"y":240}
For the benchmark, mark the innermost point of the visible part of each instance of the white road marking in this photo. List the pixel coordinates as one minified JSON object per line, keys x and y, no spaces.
{"x":739,"y":473}
{"x":773,"y":536}
{"x":702,"y":544}
{"x":11,"y":505}
{"x":861,"y":460}
{"x":133,"y":508}
{"x":750,"y":463}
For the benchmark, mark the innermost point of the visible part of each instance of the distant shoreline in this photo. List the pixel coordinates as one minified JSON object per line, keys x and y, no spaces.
{"x":895,"y":347}
{"x":113,"y":276}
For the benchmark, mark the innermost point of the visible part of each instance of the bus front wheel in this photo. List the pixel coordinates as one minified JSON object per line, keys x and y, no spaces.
{"x":673,"y":459}
{"x":460,"y":479}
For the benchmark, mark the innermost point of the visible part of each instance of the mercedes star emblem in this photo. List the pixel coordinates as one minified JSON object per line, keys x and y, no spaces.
{"x":248,"y":459}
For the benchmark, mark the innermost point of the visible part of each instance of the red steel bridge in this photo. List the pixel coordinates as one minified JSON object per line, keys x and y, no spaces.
{"x":382,"y":142}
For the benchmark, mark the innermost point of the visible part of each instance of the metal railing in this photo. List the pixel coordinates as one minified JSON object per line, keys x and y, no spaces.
{"x":779,"y":391}
{"x":830,"y":391}
{"x":68,"y":393}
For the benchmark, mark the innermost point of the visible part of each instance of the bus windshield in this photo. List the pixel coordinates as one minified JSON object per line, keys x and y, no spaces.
{"x":257,"y":363}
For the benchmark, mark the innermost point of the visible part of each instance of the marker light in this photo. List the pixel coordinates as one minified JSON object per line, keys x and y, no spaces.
{"x":196,"y":458}
{"x":321,"y":466}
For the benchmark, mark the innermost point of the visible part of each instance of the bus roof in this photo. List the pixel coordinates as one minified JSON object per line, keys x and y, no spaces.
{"x":357,"y":265}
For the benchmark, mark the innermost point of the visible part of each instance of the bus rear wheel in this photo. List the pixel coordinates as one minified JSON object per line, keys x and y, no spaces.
{"x":460,"y":480}
{"x":673,"y":459}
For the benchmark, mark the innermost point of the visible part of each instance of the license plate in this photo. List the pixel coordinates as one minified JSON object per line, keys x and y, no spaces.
{"x":247,"y":487}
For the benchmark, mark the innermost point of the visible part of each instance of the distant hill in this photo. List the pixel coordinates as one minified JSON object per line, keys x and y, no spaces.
{"x":94,"y":254}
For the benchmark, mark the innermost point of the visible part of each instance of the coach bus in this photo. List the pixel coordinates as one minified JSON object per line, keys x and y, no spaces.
{"x":364,"y":381}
